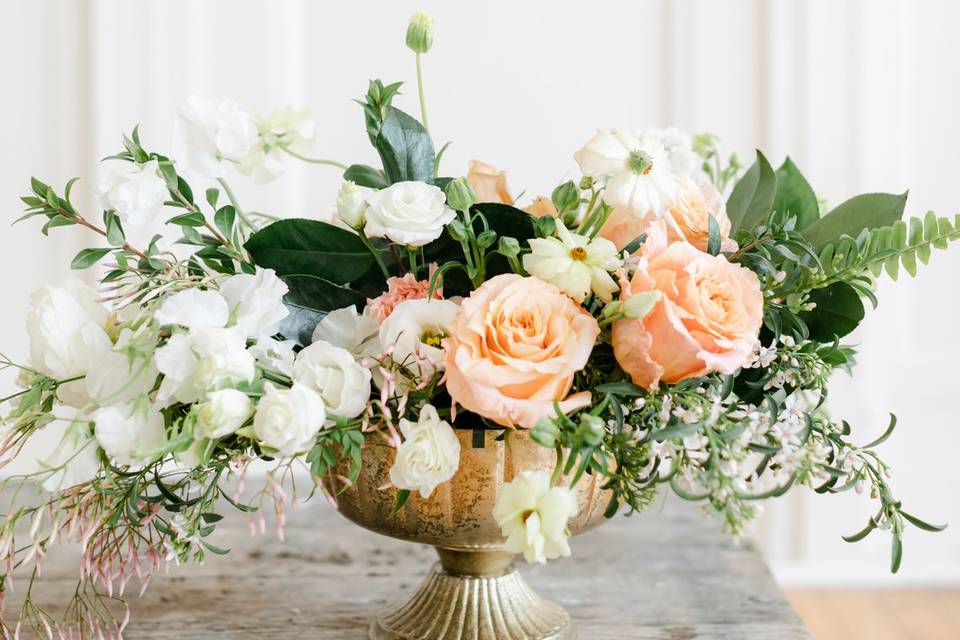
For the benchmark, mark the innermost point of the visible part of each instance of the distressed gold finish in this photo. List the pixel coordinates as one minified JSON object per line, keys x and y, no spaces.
{"x":474,"y":592}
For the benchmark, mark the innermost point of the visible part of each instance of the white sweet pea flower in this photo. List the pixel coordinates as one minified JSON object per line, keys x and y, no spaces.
{"x":283,"y":128}
{"x":636,"y":170}
{"x":351,"y":205}
{"x":409,"y":213}
{"x":123,"y":373}
{"x":429,"y":454}
{"x":205,"y":359}
{"x":208,"y":132}
{"x":335,"y":374}
{"x":414,"y":331}
{"x":135,"y":192}
{"x":223,"y":413}
{"x":193,"y":308}
{"x":73,"y":461}
{"x":574,"y":263}
{"x":256,"y":301}
{"x":681,"y":159}
{"x":533,"y":516}
{"x":274,"y":354}
{"x":288,"y":420}
{"x":347,"y":329}
{"x":128,"y":432}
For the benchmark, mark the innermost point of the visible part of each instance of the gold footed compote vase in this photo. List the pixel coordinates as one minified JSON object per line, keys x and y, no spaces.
{"x":474,"y":592}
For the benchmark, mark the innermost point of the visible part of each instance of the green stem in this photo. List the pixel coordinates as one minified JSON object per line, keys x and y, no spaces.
{"x":330,"y":163}
{"x":423,"y":102}
{"x":412,"y":254}
{"x":373,"y":251}
{"x":231,"y":196}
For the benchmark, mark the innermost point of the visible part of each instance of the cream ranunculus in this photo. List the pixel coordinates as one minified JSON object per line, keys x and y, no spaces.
{"x":345,"y":328}
{"x":223,"y":413}
{"x":256,"y":301}
{"x":288,"y":420}
{"x":533,"y":516}
{"x":351,"y":205}
{"x":429,"y":454}
{"x":409,"y":213}
{"x":205,"y":359}
{"x":208,"y":132}
{"x":129,"y":433}
{"x":414,"y":331}
{"x":488,"y":183}
{"x":575,"y":263}
{"x":73,"y":461}
{"x":335,"y":374}
{"x":135,"y":192}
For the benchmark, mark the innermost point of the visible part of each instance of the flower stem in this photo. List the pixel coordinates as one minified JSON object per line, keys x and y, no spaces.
{"x":423,"y":102}
{"x":331,"y":163}
{"x":374,"y":252}
{"x":412,"y":254}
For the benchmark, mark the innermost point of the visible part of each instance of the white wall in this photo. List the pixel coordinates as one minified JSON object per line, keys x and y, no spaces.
{"x":863,"y":94}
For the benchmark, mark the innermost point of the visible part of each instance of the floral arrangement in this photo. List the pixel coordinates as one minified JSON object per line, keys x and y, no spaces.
{"x":665,"y":320}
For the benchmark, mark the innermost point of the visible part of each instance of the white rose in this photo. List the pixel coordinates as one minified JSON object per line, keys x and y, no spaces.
{"x":347,"y":329}
{"x":135,"y":192}
{"x":204,"y":359}
{"x":429,"y":454}
{"x":414,"y":331}
{"x":67,"y":336}
{"x":574,"y":263}
{"x":333,"y":372}
{"x":351,"y":205}
{"x":121,"y":374}
{"x":288,"y":420}
{"x":208,"y":132}
{"x":533,"y":516}
{"x":409,"y":213}
{"x":194,"y":308}
{"x":274,"y":354}
{"x":73,"y":461}
{"x":128,"y":432}
{"x":223,"y":413}
{"x":256,"y":301}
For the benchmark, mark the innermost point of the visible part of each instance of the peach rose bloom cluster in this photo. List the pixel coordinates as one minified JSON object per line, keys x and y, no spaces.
{"x":399,"y":290}
{"x":513,"y":349}
{"x":708,"y":317}
{"x":488,"y":183}
{"x":687,"y":217}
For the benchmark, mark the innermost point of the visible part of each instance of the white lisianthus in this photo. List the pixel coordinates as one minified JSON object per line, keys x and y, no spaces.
{"x":205,"y":359}
{"x":636,"y":170}
{"x":347,"y":329}
{"x":533,"y":516}
{"x":333,"y":372}
{"x":123,"y":373}
{"x":67,"y":336}
{"x":194,"y":308}
{"x":208,"y":132}
{"x":351,"y":205}
{"x":128,"y":432}
{"x":681,"y":159}
{"x":414,"y":331}
{"x":576,"y":264}
{"x":256,"y":301}
{"x":223,"y":413}
{"x":409,"y":213}
{"x":429,"y":454}
{"x":288,"y":420}
{"x":73,"y":461}
{"x":135,"y":192}
{"x":274,"y":354}
{"x":284,"y":128}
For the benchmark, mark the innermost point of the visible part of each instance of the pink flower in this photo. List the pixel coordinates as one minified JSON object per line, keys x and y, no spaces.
{"x":399,"y":290}
{"x":707,"y":319}
{"x":513,"y":349}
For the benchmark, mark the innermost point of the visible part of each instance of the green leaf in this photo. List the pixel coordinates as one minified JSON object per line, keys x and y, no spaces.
{"x":225,"y":218}
{"x":194,"y":219}
{"x":866,"y":211}
{"x":115,"y":234}
{"x":838,"y":311}
{"x":310,"y":247}
{"x":896,"y":552}
{"x":212,"y":194}
{"x":402,"y":496}
{"x":886,"y":434}
{"x":794,"y":196}
{"x":751,"y":200}
{"x":621,"y":389}
{"x":89,"y":257}
{"x":713,"y":239}
{"x":308,"y":300}
{"x":405,"y":148}
{"x":365,"y":176}
{"x":921,"y":524}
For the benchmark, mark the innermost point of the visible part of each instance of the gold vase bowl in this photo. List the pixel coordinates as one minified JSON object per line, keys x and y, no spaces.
{"x":474,"y":592}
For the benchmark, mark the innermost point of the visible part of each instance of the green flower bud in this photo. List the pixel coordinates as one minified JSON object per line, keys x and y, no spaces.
{"x":420,"y":33}
{"x":486,"y":238}
{"x":458,"y":231}
{"x":566,"y":197}
{"x":509,"y":247}
{"x":547,"y":226}
{"x":591,"y":429}
{"x":460,"y":195}
{"x":545,"y":432}
{"x":586,"y":182}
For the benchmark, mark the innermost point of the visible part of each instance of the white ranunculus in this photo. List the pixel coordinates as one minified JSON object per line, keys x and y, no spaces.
{"x":274,"y":354}
{"x":533,"y":516}
{"x":121,"y":374}
{"x":136,"y":192}
{"x":414,"y":331}
{"x":429,"y":454}
{"x":256,"y":301}
{"x":351,"y":205}
{"x":288,"y":420}
{"x":67,"y":336}
{"x":409,"y":213}
{"x":636,"y":170}
{"x":194,"y":308}
{"x":223,"y":413}
{"x":681,"y":159}
{"x":574,"y":263}
{"x":129,"y":433}
{"x":208,"y":132}
{"x":347,"y":329}
{"x":73,"y":461}
{"x":335,"y":374}
{"x":204,"y":359}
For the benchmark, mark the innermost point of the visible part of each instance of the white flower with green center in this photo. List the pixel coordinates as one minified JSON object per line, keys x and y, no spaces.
{"x":533,"y":516}
{"x":574,"y":263}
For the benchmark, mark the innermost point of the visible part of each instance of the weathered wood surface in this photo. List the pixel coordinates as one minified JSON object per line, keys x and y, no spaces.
{"x":661,"y":575}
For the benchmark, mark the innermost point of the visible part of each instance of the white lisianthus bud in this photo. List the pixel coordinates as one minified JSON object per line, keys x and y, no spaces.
{"x":256,"y":301}
{"x":209,"y":132}
{"x":128,"y":432}
{"x":533,"y":516}
{"x":429,"y":454}
{"x":73,"y":461}
{"x":351,"y":206}
{"x":409,"y":213}
{"x":135,"y":192}
{"x":333,"y":372}
{"x":288,"y":420}
{"x":223,"y":413}
{"x":574,"y":263}
{"x":414,"y":330}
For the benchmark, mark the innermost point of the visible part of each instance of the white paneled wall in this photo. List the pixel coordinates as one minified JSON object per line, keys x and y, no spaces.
{"x":863,"y":95}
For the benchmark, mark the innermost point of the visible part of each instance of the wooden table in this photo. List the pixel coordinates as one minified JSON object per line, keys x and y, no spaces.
{"x":666,"y":574}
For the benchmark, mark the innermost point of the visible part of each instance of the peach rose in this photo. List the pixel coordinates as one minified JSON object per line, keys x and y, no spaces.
{"x":541,"y":206}
{"x":488,"y":184}
{"x":513,"y":349}
{"x":399,"y":290}
{"x":707,"y":319}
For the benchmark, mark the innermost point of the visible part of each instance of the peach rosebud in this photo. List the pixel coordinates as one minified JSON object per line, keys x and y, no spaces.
{"x":489,"y":184}
{"x":541,"y":206}
{"x":513,"y":349}
{"x":707,"y":319}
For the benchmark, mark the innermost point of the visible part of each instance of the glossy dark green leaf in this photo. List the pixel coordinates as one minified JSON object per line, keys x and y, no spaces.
{"x":310,"y":247}
{"x":751,"y":200}
{"x":867,"y":211}
{"x":838,"y":311}
{"x":794,"y":196}
{"x":309,"y":299}
{"x":365,"y":176}
{"x":405,"y":148}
